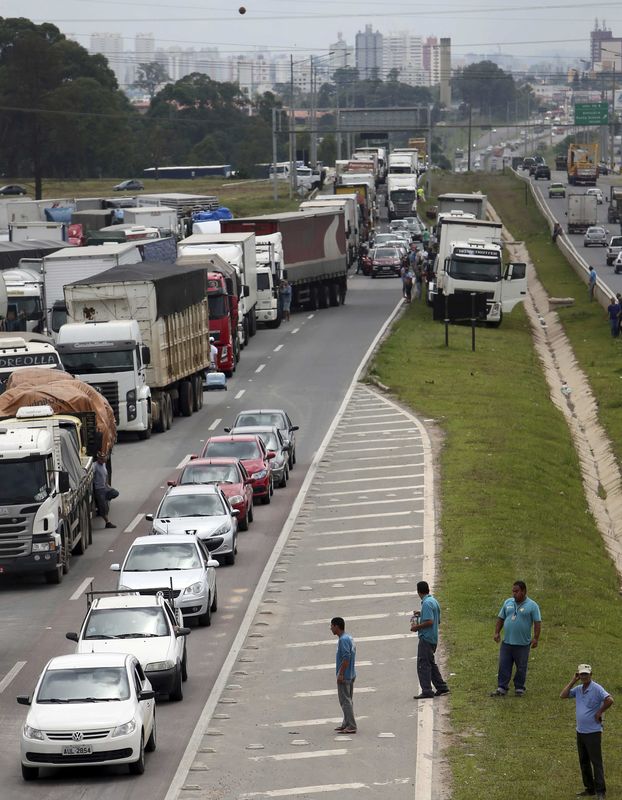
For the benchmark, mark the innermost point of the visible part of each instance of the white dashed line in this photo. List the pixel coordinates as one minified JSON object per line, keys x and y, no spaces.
{"x":260,"y":368}
{"x":295,"y":330}
{"x":10,"y":675}
{"x":297,"y":756}
{"x":239,"y":394}
{"x":133,"y":523}
{"x":184,"y":461}
{"x":215,"y":424}
{"x":341,"y":598}
{"x":304,"y":790}
{"x":370,"y":544}
{"x":277,"y":348}
{"x":310,"y":316}
{"x":81,"y":588}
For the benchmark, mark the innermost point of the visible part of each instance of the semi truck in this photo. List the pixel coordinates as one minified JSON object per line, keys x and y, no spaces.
{"x":24,"y":289}
{"x":349,"y":205}
{"x":581,"y":213}
{"x":364,"y":204}
{"x":401,"y":196}
{"x":160,"y":217}
{"x":23,"y":350}
{"x":470,"y":261}
{"x":269,"y":251}
{"x":582,"y":164}
{"x":474,"y":203}
{"x":158,"y":371}
{"x":381,"y":154}
{"x":314,"y":252}
{"x":614,"y":209}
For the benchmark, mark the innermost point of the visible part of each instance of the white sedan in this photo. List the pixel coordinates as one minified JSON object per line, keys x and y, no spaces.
{"x":598,"y":194}
{"x":92,"y":708}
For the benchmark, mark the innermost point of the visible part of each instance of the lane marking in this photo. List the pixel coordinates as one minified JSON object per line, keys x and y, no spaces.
{"x":377,"y":478}
{"x":368,"y":491}
{"x":260,"y":368}
{"x":314,"y":667}
{"x":341,"y":450}
{"x":295,"y":330}
{"x":185,"y":460}
{"x":370,"y":516}
{"x":377,"y":596}
{"x":370,"y":544}
{"x":215,"y":424}
{"x":331,"y":692}
{"x":310,"y":316}
{"x":302,"y":790}
{"x":353,"y":579}
{"x":358,"y":561}
{"x":308,"y":723}
{"x":82,"y":587}
{"x":386,"y":615}
{"x":11,"y":674}
{"x":392,"y":456}
{"x":277,"y":348}
{"x":368,"y":424}
{"x":297,"y":756}
{"x":239,"y":394}
{"x":360,"y":503}
{"x":371,"y":469}
{"x":372,"y":416}
{"x":389,"y":637}
{"x":133,"y":523}
{"x":367,"y":530}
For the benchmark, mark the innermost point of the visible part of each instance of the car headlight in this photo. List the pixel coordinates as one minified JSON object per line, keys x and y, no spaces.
{"x":237,"y":498}
{"x":258,"y":475}
{"x":195,"y":588}
{"x":124,"y":730}
{"x":224,"y":528}
{"x":33,"y":733}
{"x":158,"y":666}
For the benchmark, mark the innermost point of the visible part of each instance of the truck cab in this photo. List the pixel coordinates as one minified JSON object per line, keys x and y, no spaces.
{"x":110,"y":356}
{"x":269,"y":250}
{"x":20,"y":350}
{"x":24,"y":288}
{"x":221,"y":326}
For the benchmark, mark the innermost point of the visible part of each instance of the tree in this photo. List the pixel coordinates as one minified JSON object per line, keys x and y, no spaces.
{"x":485,"y":86}
{"x":150,"y":76}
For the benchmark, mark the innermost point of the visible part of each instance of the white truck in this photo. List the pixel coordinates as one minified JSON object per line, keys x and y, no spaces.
{"x":401,"y":196}
{"x":348,"y":203}
{"x":401,"y":164}
{"x":582,"y":212}
{"x":381,"y":155}
{"x":413,"y":152}
{"x":73,"y":263}
{"x":50,"y":231}
{"x":152,"y":370}
{"x":22,"y":350}
{"x":237,"y":249}
{"x":160,"y":217}
{"x":474,"y":203}
{"x":470,"y":260}
{"x":269,"y":251}
{"x":24,"y":290}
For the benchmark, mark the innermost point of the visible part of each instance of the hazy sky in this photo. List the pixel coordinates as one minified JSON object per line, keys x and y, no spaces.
{"x":527,"y":29}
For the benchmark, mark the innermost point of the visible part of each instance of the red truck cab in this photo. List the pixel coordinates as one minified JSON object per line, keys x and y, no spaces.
{"x":223,"y":322}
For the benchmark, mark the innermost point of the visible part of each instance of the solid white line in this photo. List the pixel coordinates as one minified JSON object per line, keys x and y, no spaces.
{"x":365,"y":439}
{"x":370,"y":544}
{"x":295,"y":330}
{"x":349,"y":425}
{"x":341,"y":598}
{"x":239,"y":394}
{"x":366,"y":434}
{"x":215,"y":424}
{"x":370,"y":516}
{"x":185,"y":460}
{"x":389,"y":637}
{"x":353,"y":579}
{"x":260,"y":368}
{"x":331,"y":692}
{"x":360,"y":503}
{"x":314,"y":667}
{"x":133,"y":523}
{"x":299,"y":790}
{"x":297,"y":756}
{"x":376,"y":479}
{"x":393,"y":456}
{"x":368,"y":491}
{"x":81,"y":588}
{"x":370,"y":469}
{"x":358,"y":561}
{"x":219,"y":684}
{"x":367,"y":530}
{"x":347,"y":420}
{"x":11,"y":674}
{"x":391,"y":449}
{"x":351,"y":618}
{"x":277,"y":348}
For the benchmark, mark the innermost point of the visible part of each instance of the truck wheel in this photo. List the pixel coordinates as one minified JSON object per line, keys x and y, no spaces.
{"x":313,"y":298}
{"x":159,"y":424}
{"x":343,"y":289}
{"x":197,"y":393}
{"x":81,"y":546}
{"x":252,"y":328}
{"x":245,"y":331}
{"x":324,"y":296}
{"x":54,"y":576}
{"x":146,"y":434}
{"x":185,"y":398}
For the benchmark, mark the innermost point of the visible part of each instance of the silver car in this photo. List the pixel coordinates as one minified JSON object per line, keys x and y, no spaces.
{"x":271,"y":416}
{"x":596,"y":235}
{"x":273,"y":440}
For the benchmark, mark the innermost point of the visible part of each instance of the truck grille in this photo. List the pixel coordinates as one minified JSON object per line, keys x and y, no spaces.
{"x":15,"y":535}
{"x":111,"y":393}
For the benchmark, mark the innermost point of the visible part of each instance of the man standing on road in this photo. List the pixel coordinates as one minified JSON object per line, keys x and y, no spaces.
{"x":591,"y":703}
{"x":346,"y":674}
{"x":427,"y":631}
{"x":592,"y":283}
{"x":101,"y":489}
{"x":516,"y":616}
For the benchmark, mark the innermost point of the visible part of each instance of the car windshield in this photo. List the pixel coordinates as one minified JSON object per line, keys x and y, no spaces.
{"x":260,"y":418}
{"x":126,"y":623}
{"x":191,"y":505}
{"x":162,"y":556}
{"x":209,"y":473}
{"x":84,"y":685}
{"x":263,"y":281}
{"x":596,"y":232}
{"x":270,"y":441}
{"x":217,"y":306}
{"x":233,"y":448}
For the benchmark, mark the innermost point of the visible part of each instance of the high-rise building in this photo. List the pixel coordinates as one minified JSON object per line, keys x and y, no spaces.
{"x":110,"y":45}
{"x":340,"y":55}
{"x":368,"y":50}
{"x":403,"y":52}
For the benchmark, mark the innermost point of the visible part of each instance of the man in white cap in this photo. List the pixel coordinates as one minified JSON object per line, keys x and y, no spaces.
{"x":591,"y":703}
{"x":213,"y":353}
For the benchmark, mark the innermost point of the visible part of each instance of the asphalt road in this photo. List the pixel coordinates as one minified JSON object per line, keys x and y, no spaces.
{"x":305,"y":367}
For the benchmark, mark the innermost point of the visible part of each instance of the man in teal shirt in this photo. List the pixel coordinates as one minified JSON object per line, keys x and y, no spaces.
{"x":426,"y":628}
{"x":517,"y":616}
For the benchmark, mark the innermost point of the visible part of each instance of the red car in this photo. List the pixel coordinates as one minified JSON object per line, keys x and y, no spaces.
{"x":252,"y":452}
{"x":230,"y":476}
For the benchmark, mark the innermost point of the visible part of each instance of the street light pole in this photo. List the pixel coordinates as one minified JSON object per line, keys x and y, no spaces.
{"x":470,"y":145}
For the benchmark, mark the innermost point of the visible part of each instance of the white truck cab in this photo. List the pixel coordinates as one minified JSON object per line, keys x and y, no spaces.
{"x":269,"y":251}
{"x":19,"y":350}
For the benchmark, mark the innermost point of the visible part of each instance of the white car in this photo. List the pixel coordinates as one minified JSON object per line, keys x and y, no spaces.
{"x":92,"y":708}
{"x":146,"y":626}
{"x":202,"y":510}
{"x":617,"y":264}
{"x":598,"y":194}
{"x":181,"y":562}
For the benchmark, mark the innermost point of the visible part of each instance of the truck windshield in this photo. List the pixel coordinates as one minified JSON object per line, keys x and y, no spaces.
{"x":263,"y":281}
{"x":23,"y":481}
{"x":28,"y":307}
{"x":99,"y":361}
{"x":475,"y":269}
{"x":217,"y":306}
{"x":403,"y":195}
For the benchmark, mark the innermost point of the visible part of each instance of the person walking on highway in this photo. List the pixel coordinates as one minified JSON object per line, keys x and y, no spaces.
{"x":591,"y":703}
{"x":213,"y":357}
{"x":613,"y":315}
{"x":426,"y":627}
{"x":517,"y":616}
{"x":557,"y":231}
{"x":592,"y":282}
{"x":101,"y":489}
{"x":346,"y":674}
{"x":285,"y":298}
{"x":408,"y":277}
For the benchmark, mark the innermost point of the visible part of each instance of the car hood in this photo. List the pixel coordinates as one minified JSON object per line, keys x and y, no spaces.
{"x":145,"y":650}
{"x":201,"y":526}
{"x":161,"y":580}
{"x":232,"y":489}
{"x":253,"y":465}
{"x":80,"y":716}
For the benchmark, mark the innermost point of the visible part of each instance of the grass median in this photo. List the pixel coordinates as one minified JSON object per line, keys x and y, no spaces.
{"x":512,"y":507}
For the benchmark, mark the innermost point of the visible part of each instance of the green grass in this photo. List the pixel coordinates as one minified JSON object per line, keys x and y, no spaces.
{"x":512,"y":507}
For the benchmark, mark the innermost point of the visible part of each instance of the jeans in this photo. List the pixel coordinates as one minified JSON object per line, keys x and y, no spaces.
{"x":591,"y":758}
{"x":615,"y":327}
{"x":345,"y":693}
{"x":509,"y":656}
{"x":427,"y":670}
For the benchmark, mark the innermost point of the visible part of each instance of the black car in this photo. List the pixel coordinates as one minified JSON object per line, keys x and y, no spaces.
{"x":603,"y":169}
{"x":542,"y":171}
{"x":528,"y":163}
{"x":12,"y":188}
{"x":131,"y":185}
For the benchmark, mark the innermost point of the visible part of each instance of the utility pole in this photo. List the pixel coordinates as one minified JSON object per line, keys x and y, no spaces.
{"x":470,"y":145}
{"x":312,"y":135}
{"x":292,"y":133}
{"x":275,"y":186}
{"x":613,"y":116}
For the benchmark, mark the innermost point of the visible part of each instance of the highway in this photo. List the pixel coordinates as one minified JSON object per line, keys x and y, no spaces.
{"x":305,"y":367}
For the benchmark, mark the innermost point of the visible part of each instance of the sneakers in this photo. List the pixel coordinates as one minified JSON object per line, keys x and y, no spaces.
{"x":588,"y":793}
{"x":423,"y":696}
{"x":441,"y":692}
{"x":110,"y":525}
{"x":347,"y":730}
{"x":498,"y":693}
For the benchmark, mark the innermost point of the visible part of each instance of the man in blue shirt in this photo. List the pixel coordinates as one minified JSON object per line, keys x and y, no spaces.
{"x":517,"y":616}
{"x":591,"y":703}
{"x":426,"y":628}
{"x":346,"y":674}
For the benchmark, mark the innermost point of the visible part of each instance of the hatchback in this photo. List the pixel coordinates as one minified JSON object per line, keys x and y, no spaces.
{"x":271,"y":416}
{"x":230,"y":476}
{"x":385,"y":261}
{"x":12,"y":189}
{"x":596,"y":235}
{"x":131,"y":185}
{"x":273,"y":441}
{"x":613,"y":249}
{"x":557,"y":190}
{"x":253,"y":453}
{"x":597,"y":193}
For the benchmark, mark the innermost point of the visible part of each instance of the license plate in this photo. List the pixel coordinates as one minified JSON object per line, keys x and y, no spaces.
{"x":77,"y":750}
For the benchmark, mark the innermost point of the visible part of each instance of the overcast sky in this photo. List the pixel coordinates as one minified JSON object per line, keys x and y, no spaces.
{"x":528,"y":29}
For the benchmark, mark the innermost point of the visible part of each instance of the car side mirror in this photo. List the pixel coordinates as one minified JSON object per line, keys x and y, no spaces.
{"x":23,"y":699}
{"x":72,"y":636}
{"x":193,"y":457}
{"x":149,"y":517}
{"x":295,"y":428}
{"x":270,"y":454}
{"x":146,"y":694}
{"x":183,"y":631}
{"x":171,"y":483}
{"x":63,"y":482}
{"x":115,"y":567}
{"x":213,"y":563}
{"x":234,"y":512}
{"x":227,"y":430}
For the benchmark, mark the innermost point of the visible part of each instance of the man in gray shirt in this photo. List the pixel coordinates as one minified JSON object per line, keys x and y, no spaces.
{"x":101,"y":487}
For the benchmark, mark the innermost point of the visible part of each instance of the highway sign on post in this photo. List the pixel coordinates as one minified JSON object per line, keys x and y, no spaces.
{"x":591,"y":113}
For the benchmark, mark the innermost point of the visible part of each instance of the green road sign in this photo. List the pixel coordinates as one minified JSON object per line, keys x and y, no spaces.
{"x":591,"y":113}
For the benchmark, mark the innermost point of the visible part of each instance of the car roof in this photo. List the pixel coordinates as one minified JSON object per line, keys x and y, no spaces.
{"x":216,"y":461}
{"x":77,"y":660}
{"x":261,"y":411}
{"x":239,"y":437}
{"x":127,"y":601}
{"x":166,"y":538}
{"x":192,"y":488}
{"x":256,"y":429}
